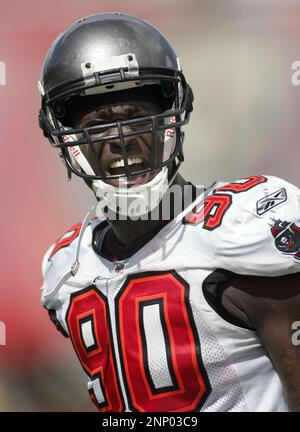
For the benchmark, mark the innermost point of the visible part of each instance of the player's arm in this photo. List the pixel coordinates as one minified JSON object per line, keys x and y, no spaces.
{"x":259,"y":240}
{"x":271,"y":306}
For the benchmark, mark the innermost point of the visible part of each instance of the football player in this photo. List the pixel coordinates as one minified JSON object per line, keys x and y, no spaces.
{"x":194,"y":309}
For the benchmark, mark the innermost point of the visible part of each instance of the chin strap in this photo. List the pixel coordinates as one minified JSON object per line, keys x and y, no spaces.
{"x":134,"y":201}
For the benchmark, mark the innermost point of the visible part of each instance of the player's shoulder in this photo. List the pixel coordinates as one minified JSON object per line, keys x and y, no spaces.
{"x":256,"y":213}
{"x":227,"y":204}
{"x":261,"y":194}
{"x":60,"y":262}
{"x":57,"y":264}
{"x":256,"y":197}
{"x":62,"y":251}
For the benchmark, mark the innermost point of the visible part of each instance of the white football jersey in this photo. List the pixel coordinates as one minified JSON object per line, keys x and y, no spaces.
{"x":145,"y":330}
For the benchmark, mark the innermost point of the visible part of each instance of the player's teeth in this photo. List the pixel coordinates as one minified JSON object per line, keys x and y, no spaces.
{"x":117,"y":164}
{"x":134,"y":160}
{"x":120,"y":163}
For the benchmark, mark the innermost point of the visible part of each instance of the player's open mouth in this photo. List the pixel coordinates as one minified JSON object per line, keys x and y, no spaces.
{"x":136,"y":163}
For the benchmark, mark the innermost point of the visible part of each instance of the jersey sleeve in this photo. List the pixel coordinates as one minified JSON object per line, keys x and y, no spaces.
{"x":61,"y":273}
{"x":261,"y":235}
{"x":53,"y":306}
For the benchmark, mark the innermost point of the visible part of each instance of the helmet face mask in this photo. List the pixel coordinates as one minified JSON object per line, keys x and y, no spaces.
{"x":107,"y":157}
{"x":167,"y":122}
{"x":142,"y":66}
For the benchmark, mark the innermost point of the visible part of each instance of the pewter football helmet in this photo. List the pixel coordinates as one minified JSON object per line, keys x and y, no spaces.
{"x":111,"y":54}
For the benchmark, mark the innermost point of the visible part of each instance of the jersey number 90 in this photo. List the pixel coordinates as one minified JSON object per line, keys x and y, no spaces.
{"x":158,"y":351}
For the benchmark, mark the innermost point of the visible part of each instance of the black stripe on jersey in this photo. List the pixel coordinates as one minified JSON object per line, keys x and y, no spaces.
{"x":53,"y":317}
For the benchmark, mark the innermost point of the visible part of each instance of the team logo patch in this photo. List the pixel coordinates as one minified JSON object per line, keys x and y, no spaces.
{"x":270,"y":201}
{"x":287,"y":237}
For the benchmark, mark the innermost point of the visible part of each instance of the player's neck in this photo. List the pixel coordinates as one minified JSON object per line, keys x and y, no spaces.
{"x":128,"y":232}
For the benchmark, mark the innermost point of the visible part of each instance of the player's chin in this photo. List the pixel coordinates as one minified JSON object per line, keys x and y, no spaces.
{"x":135,"y":180}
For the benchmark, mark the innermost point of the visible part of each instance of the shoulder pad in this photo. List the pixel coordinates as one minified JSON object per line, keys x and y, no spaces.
{"x":259,"y":233}
{"x":66,"y":239}
{"x":58,"y":260}
{"x":225,"y":203}
{"x":61,"y":262}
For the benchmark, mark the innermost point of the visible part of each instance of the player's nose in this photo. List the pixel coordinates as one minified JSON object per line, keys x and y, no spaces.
{"x":131,"y":146}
